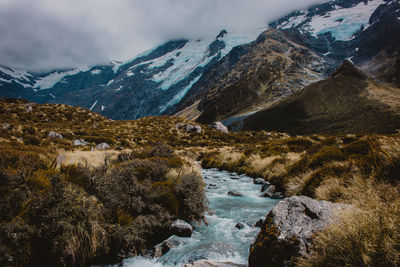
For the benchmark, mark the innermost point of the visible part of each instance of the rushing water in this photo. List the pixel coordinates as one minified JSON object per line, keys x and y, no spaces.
{"x":220,"y":240}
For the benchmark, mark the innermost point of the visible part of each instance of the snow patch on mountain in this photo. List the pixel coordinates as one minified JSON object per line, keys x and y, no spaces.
{"x":96,"y":72}
{"x":342,"y":23}
{"x":19,"y":76}
{"x":93,"y":105}
{"x":194,"y":55}
{"x":52,"y":79}
{"x":178,"y":97}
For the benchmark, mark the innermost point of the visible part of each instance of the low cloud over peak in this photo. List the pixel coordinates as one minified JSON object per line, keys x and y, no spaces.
{"x":42,"y":35}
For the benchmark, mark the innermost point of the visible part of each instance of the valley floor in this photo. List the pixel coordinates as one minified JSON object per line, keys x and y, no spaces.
{"x":69,"y":203}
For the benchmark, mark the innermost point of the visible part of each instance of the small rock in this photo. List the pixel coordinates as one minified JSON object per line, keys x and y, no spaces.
{"x":167,"y":246}
{"x":219,"y":126}
{"x":181,"y":228}
{"x":6,"y":125}
{"x":29,"y":108}
{"x":212,"y":186}
{"x":277,"y":195}
{"x":240,"y":225}
{"x":212,"y":263}
{"x":265,"y":186}
{"x":157,"y":252}
{"x":259,"y":181}
{"x":80,"y":142}
{"x":189,"y":128}
{"x":53,"y":134}
{"x":235,"y":193}
{"x":269,"y":192}
{"x":179,"y":125}
{"x":103,"y":146}
{"x":259,"y":223}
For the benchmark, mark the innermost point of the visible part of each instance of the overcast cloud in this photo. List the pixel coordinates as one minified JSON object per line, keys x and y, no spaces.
{"x":41,"y":35}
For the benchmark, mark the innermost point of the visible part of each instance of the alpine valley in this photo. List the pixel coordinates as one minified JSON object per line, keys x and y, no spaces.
{"x":278,"y":146}
{"x":237,"y":74}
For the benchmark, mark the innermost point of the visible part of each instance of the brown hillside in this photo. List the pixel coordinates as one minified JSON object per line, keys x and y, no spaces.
{"x":347,"y":102}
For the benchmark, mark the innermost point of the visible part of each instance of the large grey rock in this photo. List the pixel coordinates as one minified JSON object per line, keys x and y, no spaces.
{"x":289,"y":228}
{"x":211,"y":263}
{"x":80,"y":142}
{"x":53,"y":134}
{"x":103,"y":146}
{"x":181,"y":228}
{"x":189,"y":128}
{"x":219,"y":126}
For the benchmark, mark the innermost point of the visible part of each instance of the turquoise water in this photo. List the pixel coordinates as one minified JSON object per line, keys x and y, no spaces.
{"x":220,"y":240}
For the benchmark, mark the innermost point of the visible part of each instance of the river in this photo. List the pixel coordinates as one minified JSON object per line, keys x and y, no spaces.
{"x":220,"y":240}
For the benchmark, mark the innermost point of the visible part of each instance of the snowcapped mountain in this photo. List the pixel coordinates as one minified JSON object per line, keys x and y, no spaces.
{"x":145,"y":85}
{"x":234,"y":75}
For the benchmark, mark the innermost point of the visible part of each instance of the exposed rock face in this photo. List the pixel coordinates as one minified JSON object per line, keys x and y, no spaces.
{"x":6,"y":125}
{"x":211,"y":263}
{"x":219,"y":126}
{"x":80,"y":142}
{"x":288,"y":229}
{"x":181,"y":228}
{"x":53,"y":134}
{"x":103,"y":146}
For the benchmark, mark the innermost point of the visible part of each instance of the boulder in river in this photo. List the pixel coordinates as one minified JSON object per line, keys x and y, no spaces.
{"x":259,"y":181}
{"x":240,"y":225}
{"x":288,"y":230}
{"x":181,"y":228}
{"x":235,"y":193}
{"x":211,"y":263}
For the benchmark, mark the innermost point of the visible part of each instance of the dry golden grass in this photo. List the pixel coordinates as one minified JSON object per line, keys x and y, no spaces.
{"x":91,"y":158}
{"x":368,"y":235}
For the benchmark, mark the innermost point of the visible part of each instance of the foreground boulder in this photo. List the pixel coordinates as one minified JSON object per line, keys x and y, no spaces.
{"x":211,"y":263}
{"x":219,"y":126}
{"x":288,"y":229}
{"x":181,"y":228}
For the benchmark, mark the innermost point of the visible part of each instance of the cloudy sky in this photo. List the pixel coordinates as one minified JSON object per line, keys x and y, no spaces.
{"x":41,"y":35}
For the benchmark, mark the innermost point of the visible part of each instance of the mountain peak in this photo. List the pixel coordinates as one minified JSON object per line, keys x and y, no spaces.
{"x":222,"y":34}
{"x":348,"y":69}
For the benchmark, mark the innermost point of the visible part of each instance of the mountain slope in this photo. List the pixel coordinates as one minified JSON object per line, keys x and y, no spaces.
{"x":146,"y":85}
{"x":347,"y":102}
{"x":301,"y":48}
